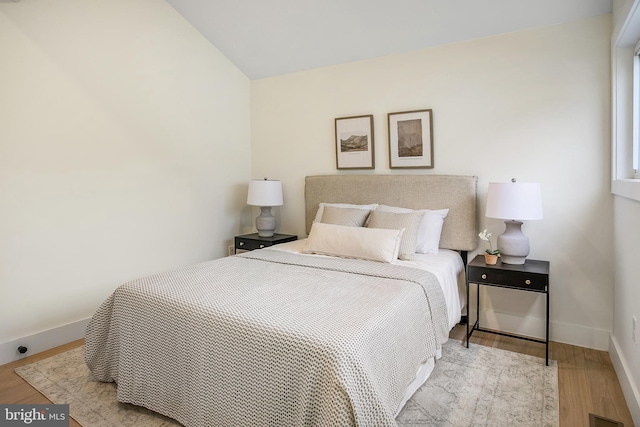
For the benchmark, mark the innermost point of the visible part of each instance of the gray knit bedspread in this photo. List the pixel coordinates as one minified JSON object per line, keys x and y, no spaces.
{"x":269,"y":338}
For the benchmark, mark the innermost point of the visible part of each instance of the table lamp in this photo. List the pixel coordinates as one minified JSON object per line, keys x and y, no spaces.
{"x":514,"y":202}
{"x":265,"y":193}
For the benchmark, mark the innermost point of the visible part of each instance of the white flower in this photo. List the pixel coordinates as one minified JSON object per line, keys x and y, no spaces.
{"x":487,"y":238}
{"x":484,"y":235}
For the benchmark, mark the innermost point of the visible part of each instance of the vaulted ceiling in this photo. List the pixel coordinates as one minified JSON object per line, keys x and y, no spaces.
{"x":265,"y":38}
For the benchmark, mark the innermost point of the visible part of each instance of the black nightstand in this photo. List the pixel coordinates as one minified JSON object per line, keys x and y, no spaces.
{"x":249,"y":242}
{"x":532,"y":276}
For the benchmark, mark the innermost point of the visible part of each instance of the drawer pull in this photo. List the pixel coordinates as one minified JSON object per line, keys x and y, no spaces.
{"x":241,"y":243}
{"x":484,"y":276}
{"x":527,"y":282}
{"x":261,"y":246}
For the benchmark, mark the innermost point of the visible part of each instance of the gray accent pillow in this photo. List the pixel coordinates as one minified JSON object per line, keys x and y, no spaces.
{"x":318,"y":216}
{"x":345,"y":216}
{"x":430,"y":230}
{"x":410,"y":222}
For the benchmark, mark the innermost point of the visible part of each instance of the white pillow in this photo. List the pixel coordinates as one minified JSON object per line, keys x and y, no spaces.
{"x":410,"y":221}
{"x":430,"y":229}
{"x":345,"y":216}
{"x":374,"y":244}
{"x":318,"y":217}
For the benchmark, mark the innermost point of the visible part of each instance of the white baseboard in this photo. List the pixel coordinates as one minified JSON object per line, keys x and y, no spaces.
{"x":42,"y":341}
{"x":567,"y":333}
{"x":629,"y":387}
{"x":581,"y":336}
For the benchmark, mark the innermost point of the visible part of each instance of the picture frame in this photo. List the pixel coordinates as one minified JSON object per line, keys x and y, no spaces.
{"x":354,"y":142}
{"x":411,"y":139}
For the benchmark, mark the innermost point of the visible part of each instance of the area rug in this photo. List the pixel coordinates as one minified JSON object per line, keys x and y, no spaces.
{"x":479,"y":386}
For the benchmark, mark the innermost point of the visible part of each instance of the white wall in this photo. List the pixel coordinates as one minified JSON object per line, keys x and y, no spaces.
{"x":534,"y":105}
{"x":124,"y":151}
{"x":627,"y":297}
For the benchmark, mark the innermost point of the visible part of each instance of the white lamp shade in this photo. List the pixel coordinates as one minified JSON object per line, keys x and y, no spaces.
{"x":517,"y":201}
{"x":264,"y":192}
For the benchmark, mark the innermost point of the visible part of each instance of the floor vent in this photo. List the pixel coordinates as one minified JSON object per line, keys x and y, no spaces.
{"x":598,"y":421}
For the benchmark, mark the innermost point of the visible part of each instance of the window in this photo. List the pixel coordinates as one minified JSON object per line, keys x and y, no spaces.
{"x":636,"y":112}
{"x":625,"y":124}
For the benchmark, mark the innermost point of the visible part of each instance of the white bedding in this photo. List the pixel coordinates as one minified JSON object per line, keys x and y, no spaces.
{"x":446,"y":265}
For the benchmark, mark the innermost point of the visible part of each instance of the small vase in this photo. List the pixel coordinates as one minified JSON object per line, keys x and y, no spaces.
{"x":490,"y":259}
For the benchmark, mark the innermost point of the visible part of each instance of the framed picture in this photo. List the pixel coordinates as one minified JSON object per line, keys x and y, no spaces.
{"x":354,"y":142}
{"x":411,"y":139}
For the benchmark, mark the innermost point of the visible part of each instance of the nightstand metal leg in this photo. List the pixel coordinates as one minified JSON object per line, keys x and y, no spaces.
{"x":477,"y":325}
{"x":468,"y":315}
{"x":547,"y":323}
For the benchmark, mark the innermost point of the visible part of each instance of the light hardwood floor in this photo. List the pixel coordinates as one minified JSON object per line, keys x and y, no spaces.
{"x":587,"y":381}
{"x":13,"y":389}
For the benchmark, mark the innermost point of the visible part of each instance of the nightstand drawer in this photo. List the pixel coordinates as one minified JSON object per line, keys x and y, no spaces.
{"x":250,"y":245}
{"x":509,"y":279}
{"x":250,"y":242}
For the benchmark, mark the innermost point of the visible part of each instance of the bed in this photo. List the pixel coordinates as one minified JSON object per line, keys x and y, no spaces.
{"x":281,"y":336}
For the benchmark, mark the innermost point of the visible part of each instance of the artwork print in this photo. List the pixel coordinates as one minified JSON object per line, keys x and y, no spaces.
{"x":411,"y":139}
{"x":354,"y":142}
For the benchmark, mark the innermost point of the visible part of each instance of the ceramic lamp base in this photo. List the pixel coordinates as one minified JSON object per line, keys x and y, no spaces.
{"x":513,"y":244}
{"x":265,"y":222}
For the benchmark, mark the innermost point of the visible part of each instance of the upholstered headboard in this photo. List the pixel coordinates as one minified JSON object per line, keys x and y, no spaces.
{"x":458,"y":193}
